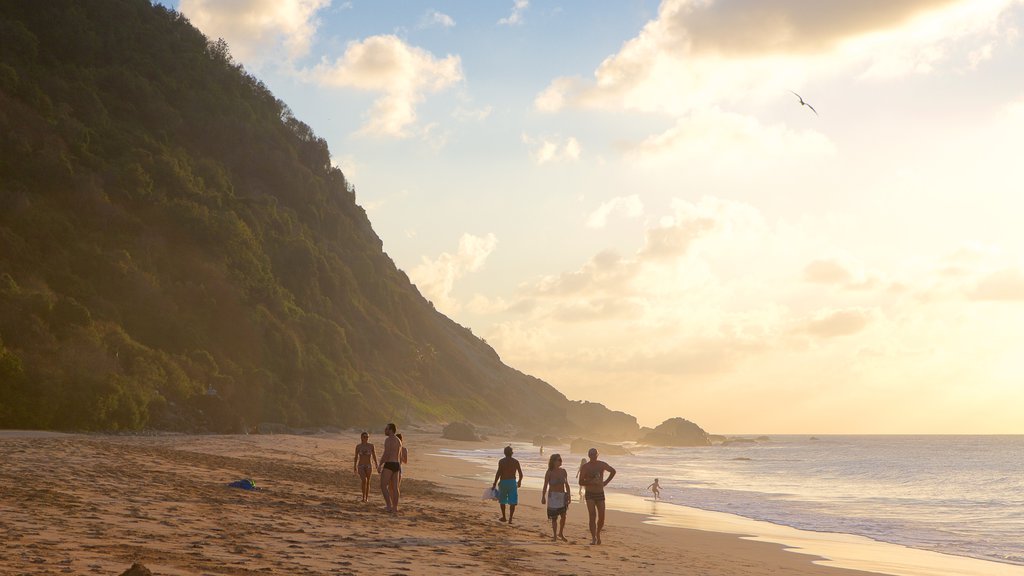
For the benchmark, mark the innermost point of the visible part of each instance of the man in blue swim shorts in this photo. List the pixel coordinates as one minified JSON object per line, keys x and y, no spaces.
{"x":508,"y":486}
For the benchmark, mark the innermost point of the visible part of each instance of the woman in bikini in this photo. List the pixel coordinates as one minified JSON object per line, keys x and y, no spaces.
{"x":556,"y":493}
{"x":364,"y":453}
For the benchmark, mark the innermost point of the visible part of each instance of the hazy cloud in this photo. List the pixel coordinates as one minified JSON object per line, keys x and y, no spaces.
{"x":553,"y":149}
{"x":827,"y":272}
{"x":401,"y":73}
{"x":833,"y":323}
{"x":434,"y":18}
{"x":1006,"y":285}
{"x":436,"y":278}
{"x":628,"y":206}
{"x":516,"y":17}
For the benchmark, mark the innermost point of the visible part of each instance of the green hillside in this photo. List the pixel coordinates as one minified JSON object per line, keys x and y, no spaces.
{"x":177,"y":252}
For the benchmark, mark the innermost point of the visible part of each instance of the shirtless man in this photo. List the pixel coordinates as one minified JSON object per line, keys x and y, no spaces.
{"x":508,"y":490}
{"x":389,"y":468}
{"x":361,"y":463}
{"x":593,"y":482}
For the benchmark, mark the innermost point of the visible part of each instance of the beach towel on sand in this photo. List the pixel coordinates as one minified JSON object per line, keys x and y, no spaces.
{"x":245,"y":484}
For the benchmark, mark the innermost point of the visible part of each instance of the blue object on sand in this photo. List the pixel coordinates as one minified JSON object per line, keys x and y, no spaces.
{"x":245,"y":484}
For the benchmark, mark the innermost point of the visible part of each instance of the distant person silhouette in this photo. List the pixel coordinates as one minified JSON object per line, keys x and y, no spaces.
{"x":655,"y":488}
{"x":578,"y":470}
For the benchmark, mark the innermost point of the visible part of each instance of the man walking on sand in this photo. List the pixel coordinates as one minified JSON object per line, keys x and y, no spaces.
{"x":593,"y":482}
{"x":508,"y":487}
{"x":390,"y":466}
{"x":364,"y":452}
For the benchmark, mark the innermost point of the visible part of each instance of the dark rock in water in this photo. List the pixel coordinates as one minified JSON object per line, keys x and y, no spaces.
{"x":137,"y":570}
{"x":742,"y":459}
{"x":814,"y":437}
{"x":731,"y":441}
{"x":677,"y":432}
{"x":460,"y":431}
{"x":582,"y":446}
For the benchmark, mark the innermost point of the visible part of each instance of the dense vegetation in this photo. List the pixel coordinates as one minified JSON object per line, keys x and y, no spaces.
{"x":177,"y":252}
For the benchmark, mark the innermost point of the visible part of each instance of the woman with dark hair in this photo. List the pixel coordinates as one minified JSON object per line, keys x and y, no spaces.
{"x":557,"y":494}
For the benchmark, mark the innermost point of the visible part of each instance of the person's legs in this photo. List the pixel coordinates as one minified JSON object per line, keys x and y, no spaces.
{"x":503,"y":518}
{"x":592,"y":512}
{"x":385,"y":483}
{"x":561,"y":526}
{"x":511,"y":512}
{"x":365,"y":477}
{"x":554,"y":528}
{"x":395,"y":492}
{"x":600,"y":519}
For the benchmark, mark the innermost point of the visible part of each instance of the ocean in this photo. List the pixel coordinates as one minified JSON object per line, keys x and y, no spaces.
{"x":954,"y":495}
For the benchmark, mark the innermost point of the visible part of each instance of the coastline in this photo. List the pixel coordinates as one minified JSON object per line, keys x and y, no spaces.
{"x":97,"y":503}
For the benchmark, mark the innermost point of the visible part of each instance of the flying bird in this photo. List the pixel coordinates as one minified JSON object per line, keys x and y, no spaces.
{"x":802,"y":103}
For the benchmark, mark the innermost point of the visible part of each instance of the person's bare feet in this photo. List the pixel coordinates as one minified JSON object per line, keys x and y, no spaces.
{"x":562,"y":538}
{"x":503,"y":519}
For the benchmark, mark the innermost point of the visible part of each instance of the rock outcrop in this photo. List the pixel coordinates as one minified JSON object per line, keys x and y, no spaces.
{"x":600,"y":423}
{"x":461,"y":431}
{"x":677,"y":432}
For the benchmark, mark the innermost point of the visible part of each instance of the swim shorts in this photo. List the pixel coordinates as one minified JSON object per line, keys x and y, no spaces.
{"x":393,"y":466}
{"x":594,"y":496}
{"x":508,"y":492}
{"x":557,"y":504}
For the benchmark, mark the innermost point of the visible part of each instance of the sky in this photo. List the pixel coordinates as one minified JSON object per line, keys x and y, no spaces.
{"x":627,"y":199}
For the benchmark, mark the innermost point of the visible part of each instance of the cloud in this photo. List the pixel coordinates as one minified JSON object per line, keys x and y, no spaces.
{"x":1003,"y":285}
{"x":434,"y":18}
{"x":703,"y":53}
{"x":553,"y":149}
{"x":628,"y":206}
{"x":257,"y":29}
{"x":834,"y":323}
{"x":401,"y":73}
{"x":516,"y":17}
{"x":723,"y":139}
{"x":827,"y":272}
{"x":436,"y":278}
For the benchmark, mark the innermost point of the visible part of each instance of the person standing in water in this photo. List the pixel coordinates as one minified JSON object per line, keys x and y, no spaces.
{"x":364,"y":453}
{"x":390,"y":468}
{"x":508,"y":488}
{"x":593,"y":482}
{"x":558,"y":496}
{"x":578,"y":470}
{"x":655,"y":489}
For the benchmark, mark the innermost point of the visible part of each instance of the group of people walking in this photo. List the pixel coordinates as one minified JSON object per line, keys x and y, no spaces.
{"x":389,"y":467}
{"x":556,"y":492}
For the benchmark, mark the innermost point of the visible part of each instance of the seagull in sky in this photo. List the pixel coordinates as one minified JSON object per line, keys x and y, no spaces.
{"x":802,"y":103}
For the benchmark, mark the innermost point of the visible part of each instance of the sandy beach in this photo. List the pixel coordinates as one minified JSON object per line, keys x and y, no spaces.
{"x":95,"y":504}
